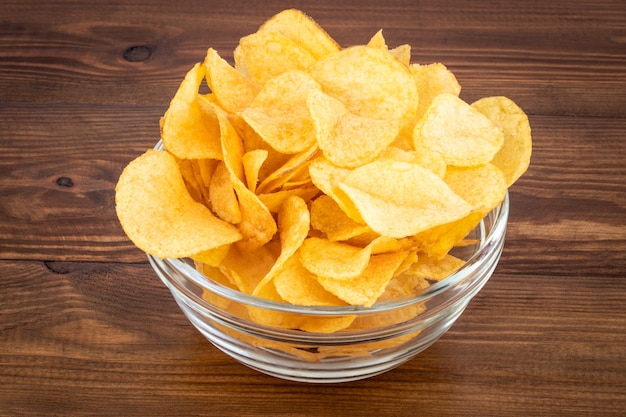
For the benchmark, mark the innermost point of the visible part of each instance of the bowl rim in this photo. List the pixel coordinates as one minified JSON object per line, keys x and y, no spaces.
{"x":488,"y":244}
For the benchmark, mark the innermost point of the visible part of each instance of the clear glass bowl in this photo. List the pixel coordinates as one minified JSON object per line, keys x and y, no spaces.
{"x":380,"y":338}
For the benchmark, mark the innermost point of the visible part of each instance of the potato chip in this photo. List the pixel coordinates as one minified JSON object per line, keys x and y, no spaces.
{"x":330,"y":219}
{"x":483,"y":186}
{"x":223,"y":201}
{"x":303,"y":30}
{"x":366,"y":288}
{"x":246,"y":268}
{"x":274,"y":200}
{"x":296,"y":285}
{"x":158,"y":214}
{"x":433,"y":269}
{"x":257,"y":224}
{"x":514,"y":156}
{"x":252,"y":162}
{"x":293,"y":223}
{"x":399,"y":199}
{"x":265,"y":55}
{"x":292,"y":166}
{"x":463,"y":135}
{"x":333,"y":259}
{"x":370,"y":82}
{"x":279,"y":113}
{"x":348,"y":140}
{"x":189,"y":129}
{"x":432,"y":80}
{"x":231,"y":89}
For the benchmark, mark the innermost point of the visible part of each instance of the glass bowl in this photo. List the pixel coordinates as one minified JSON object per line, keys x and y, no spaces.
{"x":381,"y":337}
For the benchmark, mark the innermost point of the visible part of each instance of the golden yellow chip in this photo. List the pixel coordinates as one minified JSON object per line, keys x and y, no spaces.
{"x":370,"y":82}
{"x":223,"y":201}
{"x":231,"y":89}
{"x":291,"y":167}
{"x":257,"y":223}
{"x":433,"y":269}
{"x":483,"y":186}
{"x":348,"y":140}
{"x":432,"y":80}
{"x":399,"y":199}
{"x":252,"y":162}
{"x":366,"y":288}
{"x":514,"y":156}
{"x":293,"y":223}
{"x":279,"y":113}
{"x":264,"y":55}
{"x":303,"y":30}
{"x":158,"y":214}
{"x":463,"y":135}
{"x":297,"y":285}
{"x":328,"y":218}
{"x":189,"y":129}
{"x":246,"y":268}
{"x":333,"y":259}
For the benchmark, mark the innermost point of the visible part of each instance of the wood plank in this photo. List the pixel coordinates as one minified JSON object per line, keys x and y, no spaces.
{"x":108,"y":337}
{"x":571,"y":54}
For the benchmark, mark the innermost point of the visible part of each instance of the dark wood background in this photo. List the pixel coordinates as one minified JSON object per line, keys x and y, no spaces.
{"x":86,"y":328}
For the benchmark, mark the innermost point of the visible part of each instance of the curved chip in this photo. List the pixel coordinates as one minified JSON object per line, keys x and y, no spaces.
{"x":463,"y":135}
{"x":297,"y":26}
{"x":514,"y":156}
{"x":158,"y":214}
{"x":279,"y":113}
{"x":346,"y":139}
{"x":399,"y":199}
{"x":189,"y":129}
{"x":232,"y":90}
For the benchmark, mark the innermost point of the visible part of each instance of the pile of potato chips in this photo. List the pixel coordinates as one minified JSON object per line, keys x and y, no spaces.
{"x":319,"y":175}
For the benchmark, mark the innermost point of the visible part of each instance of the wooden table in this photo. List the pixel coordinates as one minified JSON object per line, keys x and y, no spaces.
{"x":86,"y":327}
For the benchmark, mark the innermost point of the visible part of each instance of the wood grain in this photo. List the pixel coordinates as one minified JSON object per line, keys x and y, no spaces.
{"x":86,"y":327}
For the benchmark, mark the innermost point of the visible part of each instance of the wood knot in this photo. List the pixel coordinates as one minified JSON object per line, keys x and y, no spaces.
{"x":137,"y":53}
{"x":64,"y":182}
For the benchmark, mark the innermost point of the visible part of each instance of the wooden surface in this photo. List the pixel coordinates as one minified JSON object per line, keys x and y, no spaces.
{"x":86,"y":327}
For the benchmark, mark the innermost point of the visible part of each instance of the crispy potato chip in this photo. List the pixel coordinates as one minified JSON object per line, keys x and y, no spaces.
{"x":303,"y":30}
{"x":431,"y":160}
{"x":348,"y":140}
{"x":514,"y":156}
{"x":274,"y":201}
{"x":297,"y":285}
{"x":291,"y":167}
{"x":463,"y":135}
{"x":330,"y":219}
{"x":378,"y":41}
{"x":212,"y":257}
{"x":257,"y":224}
{"x":399,"y":199}
{"x":293,"y":223}
{"x":333,"y":259}
{"x":279,"y":113}
{"x":265,"y":55}
{"x":246,"y":269}
{"x":189,"y":129}
{"x":433,"y":269}
{"x":483,"y":186}
{"x":222,"y":196}
{"x":231,"y":89}
{"x":366,"y":288}
{"x":158,"y":214}
{"x":252,"y":162}
{"x":432,"y":80}
{"x":370,"y":82}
